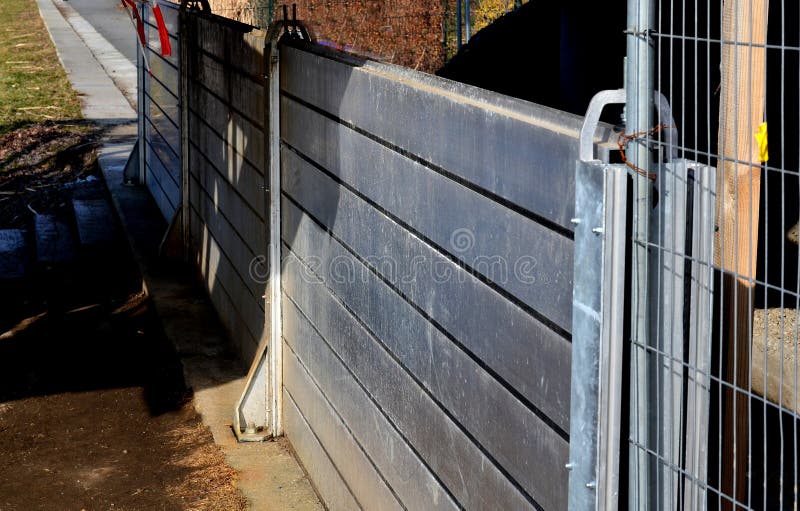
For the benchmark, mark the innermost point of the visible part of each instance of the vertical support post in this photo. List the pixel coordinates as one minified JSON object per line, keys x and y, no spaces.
{"x":467,"y":19}
{"x":183,"y":104}
{"x":742,"y":103}
{"x":276,"y":311}
{"x":597,"y":298}
{"x":458,"y":24}
{"x":141,"y":102}
{"x":640,"y":86}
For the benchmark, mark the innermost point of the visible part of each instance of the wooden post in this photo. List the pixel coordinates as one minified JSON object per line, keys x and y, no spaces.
{"x":744,"y":28}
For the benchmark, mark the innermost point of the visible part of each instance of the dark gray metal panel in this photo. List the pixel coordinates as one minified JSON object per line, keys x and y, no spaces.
{"x":169,"y":11}
{"x":154,"y":44}
{"x":343,"y":449}
{"x":528,"y":355}
{"x":245,"y":138}
{"x":159,"y":196}
{"x":241,"y":92}
{"x":461,"y":466}
{"x":493,"y":240}
{"x":217,"y":270}
{"x":244,"y":221}
{"x":327,"y":481}
{"x":211,"y":74}
{"x":166,"y":101}
{"x":162,"y":150}
{"x":228,"y":313}
{"x":169,"y":136}
{"x":248,"y":182}
{"x":241,"y":45}
{"x":167,"y":74}
{"x":229,"y":163}
{"x":225,"y":234}
{"x":163,"y":176}
{"x":458,"y":383}
{"x":517,"y":150}
{"x":402,"y":468}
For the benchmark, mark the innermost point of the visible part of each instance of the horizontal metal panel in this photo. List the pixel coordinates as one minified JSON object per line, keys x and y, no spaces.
{"x":233,"y":170}
{"x":460,"y":465}
{"x":163,"y":151}
{"x":411,"y":480}
{"x":160,"y":197}
{"x":154,"y":45}
{"x":170,"y":11}
{"x":242,"y":257}
{"x":169,"y":76}
{"x":343,"y":449}
{"x":241,"y":45}
{"x":327,"y":481}
{"x":242,"y":93}
{"x":166,"y":181}
{"x":249,"y":98}
{"x":166,"y":101}
{"x":517,"y":150}
{"x":227,"y":312}
{"x":248,"y":183}
{"x":211,"y":74}
{"x":170,"y":135}
{"x":458,"y":383}
{"x":242,"y":135}
{"x":208,"y":34}
{"x":519,"y":255}
{"x":524,"y":352}
{"x":247,"y":222}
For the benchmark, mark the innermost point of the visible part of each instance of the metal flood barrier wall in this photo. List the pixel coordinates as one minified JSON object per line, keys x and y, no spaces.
{"x":160,"y":115}
{"x":427,"y":279}
{"x":227,"y":155}
{"x":427,"y":249}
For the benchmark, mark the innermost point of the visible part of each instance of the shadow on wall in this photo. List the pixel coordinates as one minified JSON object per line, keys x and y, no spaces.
{"x":228,"y":167}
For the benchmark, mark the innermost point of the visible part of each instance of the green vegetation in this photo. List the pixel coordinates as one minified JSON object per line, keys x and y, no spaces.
{"x":33,"y":85}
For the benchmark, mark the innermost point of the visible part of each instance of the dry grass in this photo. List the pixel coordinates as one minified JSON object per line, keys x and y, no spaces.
{"x":210,"y":483}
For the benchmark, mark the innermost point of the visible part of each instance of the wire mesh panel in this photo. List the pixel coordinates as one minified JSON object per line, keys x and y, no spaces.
{"x":714,"y":272}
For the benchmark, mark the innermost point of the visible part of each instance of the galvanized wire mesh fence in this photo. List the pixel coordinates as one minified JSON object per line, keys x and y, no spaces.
{"x":714,"y":351}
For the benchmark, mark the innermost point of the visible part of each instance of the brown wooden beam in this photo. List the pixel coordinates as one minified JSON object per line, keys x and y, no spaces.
{"x":742,"y":103}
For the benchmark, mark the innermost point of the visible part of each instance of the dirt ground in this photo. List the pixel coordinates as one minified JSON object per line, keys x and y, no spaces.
{"x":94,"y":412}
{"x":39,"y":164}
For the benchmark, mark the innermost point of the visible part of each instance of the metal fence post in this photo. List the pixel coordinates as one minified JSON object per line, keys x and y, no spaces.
{"x":141,"y":98}
{"x":640,"y":77}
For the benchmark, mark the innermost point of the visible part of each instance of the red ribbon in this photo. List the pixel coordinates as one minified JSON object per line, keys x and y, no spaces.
{"x":163,"y":34}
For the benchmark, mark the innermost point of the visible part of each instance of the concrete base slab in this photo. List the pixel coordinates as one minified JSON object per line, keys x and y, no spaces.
{"x":54,"y":240}
{"x":14,"y":254}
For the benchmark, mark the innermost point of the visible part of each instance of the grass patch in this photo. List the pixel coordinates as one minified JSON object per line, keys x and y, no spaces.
{"x":33,"y":85}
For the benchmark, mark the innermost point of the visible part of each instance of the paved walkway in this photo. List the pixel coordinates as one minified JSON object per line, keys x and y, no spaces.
{"x":270,"y":477}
